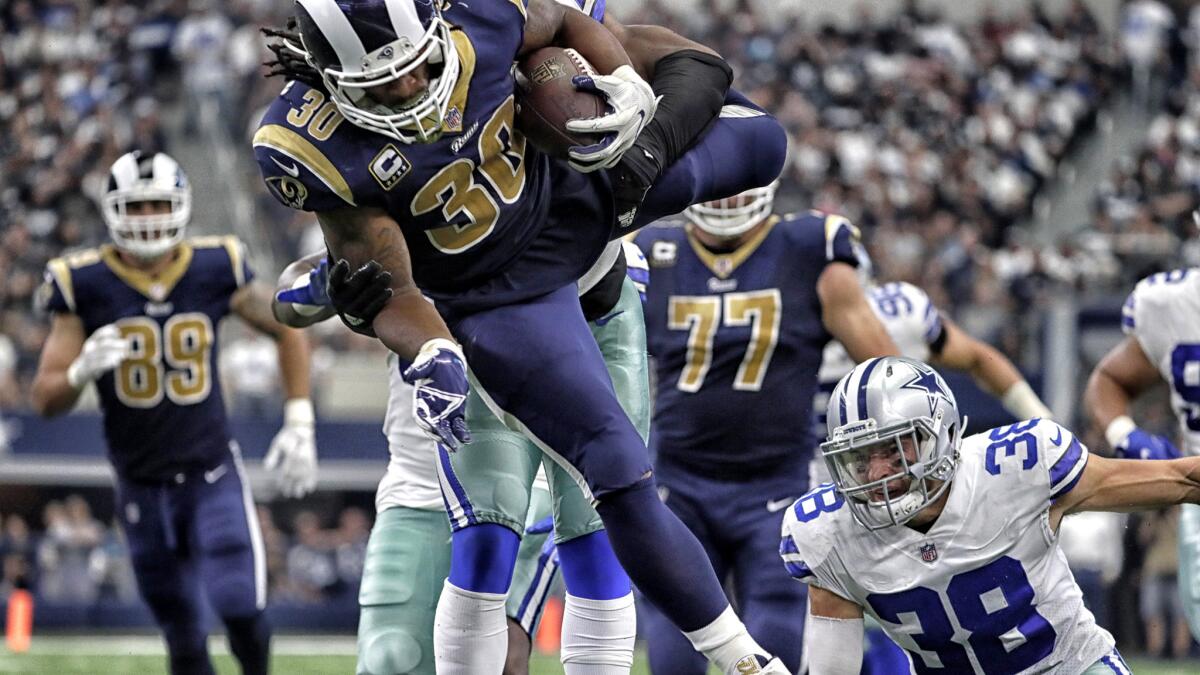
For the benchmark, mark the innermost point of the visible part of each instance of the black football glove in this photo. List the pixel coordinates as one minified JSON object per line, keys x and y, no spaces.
{"x":359,"y":296}
{"x":631,"y":180}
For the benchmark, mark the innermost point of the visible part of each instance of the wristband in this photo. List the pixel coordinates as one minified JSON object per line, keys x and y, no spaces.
{"x":1023,"y":403}
{"x":298,"y":412}
{"x":75,"y":377}
{"x":1118,"y":430}
{"x":432,"y":345}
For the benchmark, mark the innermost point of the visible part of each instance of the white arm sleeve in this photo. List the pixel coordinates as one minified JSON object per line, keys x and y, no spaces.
{"x":833,"y":646}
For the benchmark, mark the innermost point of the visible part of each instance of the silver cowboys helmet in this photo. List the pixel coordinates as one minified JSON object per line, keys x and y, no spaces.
{"x":734,"y":215}
{"x":133,"y":178}
{"x":359,"y":44}
{"x":875,"y":409}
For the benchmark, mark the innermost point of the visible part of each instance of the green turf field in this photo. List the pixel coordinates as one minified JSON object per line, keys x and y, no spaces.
{"x":294,"y":656}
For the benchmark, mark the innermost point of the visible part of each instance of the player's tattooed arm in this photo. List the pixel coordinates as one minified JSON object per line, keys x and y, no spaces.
{"x":252,"y":303}
{"x":646,"y":45}
{"x":848,"y":316}
{"x":52,"y":392}
{"x":362,"y":235}
{"x":1130,"y":485}
{"x":1121,"y":375}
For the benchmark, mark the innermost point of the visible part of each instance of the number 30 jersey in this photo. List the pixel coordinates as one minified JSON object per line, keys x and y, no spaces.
{"x":1163,"y":315}
{"x":163,"y":409}
{"x":987,"y":589}
{"x":480,"y":221}
{"x":737,"y":340}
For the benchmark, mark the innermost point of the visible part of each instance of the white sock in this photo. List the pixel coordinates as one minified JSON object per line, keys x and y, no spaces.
{"x":725,"y":641}
{"x":598,"y":635}
{"x":470,"y":632}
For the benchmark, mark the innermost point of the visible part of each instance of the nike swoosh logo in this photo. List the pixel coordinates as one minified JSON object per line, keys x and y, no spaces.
{"x":215,"y":475}
{"x":605,"y":319}
{"x":1058,"y":441}
{"x":777,"y":505}
{"x":293,"y":170}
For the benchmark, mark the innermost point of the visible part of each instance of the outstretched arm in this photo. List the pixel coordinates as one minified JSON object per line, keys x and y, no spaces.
{"x":848,"y":316}
{"x":1130,"y":485}
{"x":991,"y":369}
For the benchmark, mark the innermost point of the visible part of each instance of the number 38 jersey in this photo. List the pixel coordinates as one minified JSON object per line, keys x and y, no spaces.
{"x":163,"y":409}
{"x":987,"y":589}
{"x":737,"y":340}
{"x":479,"y":219}
{"x":1163,"y":314}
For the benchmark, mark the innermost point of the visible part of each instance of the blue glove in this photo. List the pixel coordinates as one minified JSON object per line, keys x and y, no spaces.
{"x":439,"y":374}
{"x":315,"y":293}
{"x":1141,"y":445}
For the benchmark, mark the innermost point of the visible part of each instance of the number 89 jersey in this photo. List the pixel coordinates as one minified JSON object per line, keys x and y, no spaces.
{"x":163,"y":409}
{"x":1163,"y":315}
{"x":475,"y":205}
{"x":987,"y":589}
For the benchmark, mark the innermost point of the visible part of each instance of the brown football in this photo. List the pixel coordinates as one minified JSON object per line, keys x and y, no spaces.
{"x":546,"y":99}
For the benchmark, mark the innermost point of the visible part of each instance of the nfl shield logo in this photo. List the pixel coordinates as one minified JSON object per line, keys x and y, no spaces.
{"x":929,"y":552}
{"x":454,"y":120}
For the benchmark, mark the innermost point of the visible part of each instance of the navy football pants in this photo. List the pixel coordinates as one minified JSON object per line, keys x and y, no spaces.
{"x":738,"y":523}
{"x":192,"y":537}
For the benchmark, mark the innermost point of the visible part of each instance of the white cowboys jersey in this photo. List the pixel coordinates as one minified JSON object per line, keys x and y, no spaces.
{"x":1163,"y":314}
{"x":987,"y":589}
{"x":913,"y":322}
{"x":412,"y":478}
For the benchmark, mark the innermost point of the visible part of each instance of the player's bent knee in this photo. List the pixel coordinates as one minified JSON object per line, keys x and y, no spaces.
{"x":482,"y":558}
{"x":391,"y":650}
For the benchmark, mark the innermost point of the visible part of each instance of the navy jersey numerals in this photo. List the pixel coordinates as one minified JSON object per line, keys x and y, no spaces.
{"x":171,"y":361}
{"x":703,"y":315}
{"x":990,"y":602}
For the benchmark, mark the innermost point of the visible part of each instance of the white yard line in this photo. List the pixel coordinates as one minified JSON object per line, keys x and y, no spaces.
{"x":151,"y":645}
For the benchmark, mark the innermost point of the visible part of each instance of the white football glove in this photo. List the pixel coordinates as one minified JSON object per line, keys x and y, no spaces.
{"x":293,"y":452}
{"x":104,"y":350}
{"x":633,"y":104}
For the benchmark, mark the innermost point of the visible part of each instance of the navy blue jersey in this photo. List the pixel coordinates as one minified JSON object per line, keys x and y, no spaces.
{"x":737,"y":340}
{"x":163,"y":409}
{"x":475,"y":206}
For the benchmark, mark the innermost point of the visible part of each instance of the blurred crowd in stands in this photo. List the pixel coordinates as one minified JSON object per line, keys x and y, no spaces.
{"x":73,"y":558}
{"x":935,"y":138}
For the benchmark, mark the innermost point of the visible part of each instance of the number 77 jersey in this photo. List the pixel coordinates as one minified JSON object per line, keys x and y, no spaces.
{"x":1163,"y":315}
{"x":987,"y":588}
{"x":737,"y":339}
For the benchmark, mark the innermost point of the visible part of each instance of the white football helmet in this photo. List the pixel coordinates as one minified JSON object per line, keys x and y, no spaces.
{"x":876,"y":407}
{"x":734,"y":215}
{"x":359,"y":44}
{"x":135,"y":177}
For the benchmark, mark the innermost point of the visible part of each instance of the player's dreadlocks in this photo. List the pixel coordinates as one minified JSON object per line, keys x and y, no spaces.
{"x":290,"y":62}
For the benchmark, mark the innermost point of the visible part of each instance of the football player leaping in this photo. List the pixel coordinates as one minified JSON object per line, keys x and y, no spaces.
{"x":1161,"y":320}
{"x":739,"y":306}
{"x":430,"y":179}
{"x":409,"y":555}
{"x":951,"y":543}
{"x":138,"y":317}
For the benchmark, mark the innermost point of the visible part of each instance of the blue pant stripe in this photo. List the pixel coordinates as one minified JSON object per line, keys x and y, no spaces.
{"x":538,"y":589}
{"x":456,"y":486}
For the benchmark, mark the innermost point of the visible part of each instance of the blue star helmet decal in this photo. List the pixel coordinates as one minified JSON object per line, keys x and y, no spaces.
{"x":926,"y":381}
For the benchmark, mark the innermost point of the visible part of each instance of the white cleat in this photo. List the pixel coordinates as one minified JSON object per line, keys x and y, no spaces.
{"x":755,"y":664}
